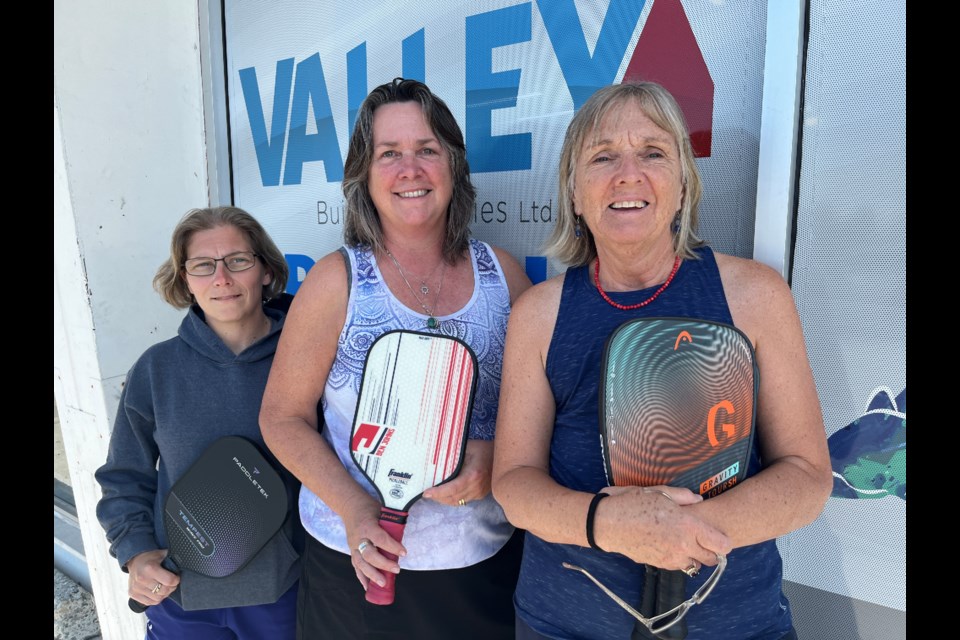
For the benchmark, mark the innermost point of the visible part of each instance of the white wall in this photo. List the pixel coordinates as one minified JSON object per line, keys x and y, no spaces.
{"x":129,"y":160}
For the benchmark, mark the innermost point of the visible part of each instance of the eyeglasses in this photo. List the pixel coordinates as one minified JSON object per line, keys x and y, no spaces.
{"x":239,"y":261}
{"x":668,"y":618}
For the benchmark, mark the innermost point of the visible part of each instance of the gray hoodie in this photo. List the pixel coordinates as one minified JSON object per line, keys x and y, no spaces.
{"x":181,"y":396}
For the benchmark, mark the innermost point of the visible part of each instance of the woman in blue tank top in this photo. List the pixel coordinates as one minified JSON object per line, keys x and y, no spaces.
{"x":627,"y":226}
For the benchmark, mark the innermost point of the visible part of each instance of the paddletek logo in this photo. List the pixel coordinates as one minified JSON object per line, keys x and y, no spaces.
{"x":250,"y":477}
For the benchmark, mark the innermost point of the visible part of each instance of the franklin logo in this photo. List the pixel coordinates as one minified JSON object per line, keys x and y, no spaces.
{"x":399,"y":476}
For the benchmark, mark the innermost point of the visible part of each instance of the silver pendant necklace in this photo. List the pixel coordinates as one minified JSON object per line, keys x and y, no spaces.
{"x":424,"y":288}
{"x":432,"y":322}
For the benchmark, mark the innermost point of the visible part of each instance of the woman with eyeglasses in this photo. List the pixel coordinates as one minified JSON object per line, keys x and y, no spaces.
{"x":181,"y":396}
{"x":628,"y":196}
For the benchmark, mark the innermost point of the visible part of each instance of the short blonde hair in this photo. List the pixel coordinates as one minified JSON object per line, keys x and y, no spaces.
{"x":169,"y":282}
{"x":661,"y":107}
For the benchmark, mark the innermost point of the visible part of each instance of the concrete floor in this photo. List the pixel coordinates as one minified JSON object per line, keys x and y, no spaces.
{"x":74,"y":611}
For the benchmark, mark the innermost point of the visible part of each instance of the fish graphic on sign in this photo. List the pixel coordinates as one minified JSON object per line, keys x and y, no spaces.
{"x":869,"y":455}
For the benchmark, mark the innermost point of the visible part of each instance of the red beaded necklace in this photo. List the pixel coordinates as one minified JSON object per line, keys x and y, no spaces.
{"x":628,"y":307}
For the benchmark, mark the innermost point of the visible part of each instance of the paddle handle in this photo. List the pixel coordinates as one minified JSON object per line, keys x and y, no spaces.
{"x":670,"y":594}
{"x":393,"y":522}
{"x":138,"y":607}
{"x":662,"y":591}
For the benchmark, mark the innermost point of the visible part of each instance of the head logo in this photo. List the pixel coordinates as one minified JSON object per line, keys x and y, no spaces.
{"x":683,"y":337}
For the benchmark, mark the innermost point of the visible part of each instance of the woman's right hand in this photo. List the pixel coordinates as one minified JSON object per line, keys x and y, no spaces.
{"x":363,"y":524}
{"x":146,"y":574}
{"x":650,"y":525}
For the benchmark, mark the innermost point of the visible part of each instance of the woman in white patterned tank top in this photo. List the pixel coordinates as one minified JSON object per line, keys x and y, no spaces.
{"x":408,"y":263}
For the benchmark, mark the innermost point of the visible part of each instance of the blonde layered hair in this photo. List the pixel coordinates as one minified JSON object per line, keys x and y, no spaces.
{"x":661,"y":107}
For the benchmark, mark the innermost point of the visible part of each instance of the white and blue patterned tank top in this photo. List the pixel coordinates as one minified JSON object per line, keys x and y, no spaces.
{"x":436,"y":536}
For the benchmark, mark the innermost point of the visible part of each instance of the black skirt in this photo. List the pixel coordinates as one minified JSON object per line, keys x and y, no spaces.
{"x":461,"y":604}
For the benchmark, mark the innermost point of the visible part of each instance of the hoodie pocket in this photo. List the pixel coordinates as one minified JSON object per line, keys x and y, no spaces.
{"x":262,"y":581}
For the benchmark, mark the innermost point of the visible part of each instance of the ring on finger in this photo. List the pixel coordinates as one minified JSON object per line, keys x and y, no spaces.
{"x":363,"y":545}
{"x":157,"y":588}
{"x":692,"y":571}
{"x":660,"y":491}
{"x":461,"y":502}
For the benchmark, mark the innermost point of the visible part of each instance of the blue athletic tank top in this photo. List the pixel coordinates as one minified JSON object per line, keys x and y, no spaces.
{"x":748,"y":602}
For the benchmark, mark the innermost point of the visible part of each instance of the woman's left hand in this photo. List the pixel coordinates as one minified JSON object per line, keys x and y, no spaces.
{"x":473,"y":481}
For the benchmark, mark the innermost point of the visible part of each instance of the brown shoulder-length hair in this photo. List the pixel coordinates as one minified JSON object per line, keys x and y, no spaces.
{"x":661,"y":107}
{"x":169,"y":281}
{"x":361,"y":221}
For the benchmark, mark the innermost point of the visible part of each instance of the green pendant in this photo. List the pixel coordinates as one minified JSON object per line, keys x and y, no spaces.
{"x":432,"y":323}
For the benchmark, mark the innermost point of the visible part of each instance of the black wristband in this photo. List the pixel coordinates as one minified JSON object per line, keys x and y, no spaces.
{"x":591,"y":513}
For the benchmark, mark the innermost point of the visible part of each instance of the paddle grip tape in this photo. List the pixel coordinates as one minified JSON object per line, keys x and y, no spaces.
{"x":138,"y":607}
{"x":393,"y":522}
